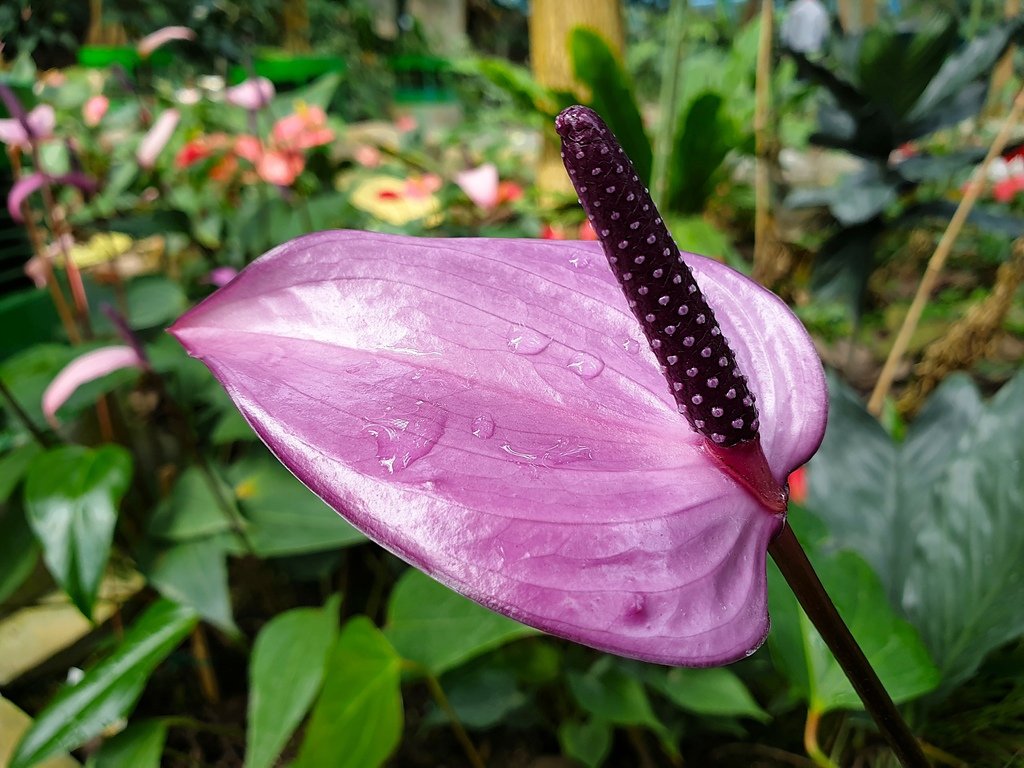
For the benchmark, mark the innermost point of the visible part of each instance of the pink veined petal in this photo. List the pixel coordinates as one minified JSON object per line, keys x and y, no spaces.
{"x":487,"y":410}
{"x":156,"y":138}
{"x":480,"y":185}
{"x":251,"y":94}
{"x":88,"y":367}
{"x":154,"y":40}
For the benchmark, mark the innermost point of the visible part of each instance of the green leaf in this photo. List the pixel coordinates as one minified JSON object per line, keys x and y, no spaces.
{"x":191,"y":510}
{"x":319,"y":93}
{"x":916,"y":56}
{"x":595,"y":65}
{"x":862,"y":196}
{"x":357,"y":720}
{"x":194,"y":573}
{"x":710,"y":692}
{"x":970,"y":62}
{"x":610,"y":693}
{"x":706,"y":134}
{"x":588,"y":743}
{"x":71,"y":500}
{"x":943,"y":536}
{"x":285,"y":517}
{"x":140,"y":745}
{"x":110,"y":689}
{"x":231,"y":427}
{"x":28,"y":373}
{"x":482,"y":697}
{"x":287,"y":667}
{"x":844,"y":263}
{"x":154,"y":300}
{"x":429,"y":624}
{"x":13,"y":467}
{"x":19,"y":551}
{"x":891,"y":644}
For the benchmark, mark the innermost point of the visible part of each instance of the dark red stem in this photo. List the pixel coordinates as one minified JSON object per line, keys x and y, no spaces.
{"x":792,"y":561}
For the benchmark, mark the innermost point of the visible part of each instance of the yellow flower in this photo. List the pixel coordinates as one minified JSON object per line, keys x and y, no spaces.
{"x":397,"y":201}
{"x":99,"y":249}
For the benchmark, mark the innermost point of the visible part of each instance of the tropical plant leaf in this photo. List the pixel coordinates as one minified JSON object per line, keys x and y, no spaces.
{"x":109,"y":690}
{"x":71,"y":500}
{"x":891,"y":644}
{"x":713,"y":692}
{"x":285,"y":517}
{"x":194,"y":573}
{"x":705,"y":136}
{"x":440,"y":629}
{"x":586,"y":742}
{"x":357,"y":720}
{"x":595,"y":65}
{"x":192,"y":510}
{"x":285,"y":673}
{"x":140,"y":745}
{"x":942,"y":536}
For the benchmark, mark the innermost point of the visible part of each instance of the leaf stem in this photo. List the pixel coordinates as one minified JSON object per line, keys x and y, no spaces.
{"x":811,"y":745}
{"x":460,"y":732}
{"x":800,"y":575}
{"x":22,"y":416}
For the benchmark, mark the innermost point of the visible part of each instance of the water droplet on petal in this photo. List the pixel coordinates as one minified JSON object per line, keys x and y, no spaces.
{"x":586,"y":365}
{"x":632,"y":346}
{"x":402,"y":440}
{"x":579,"y":262}
{"x":483,"y":426}
{"x":526,"y":341}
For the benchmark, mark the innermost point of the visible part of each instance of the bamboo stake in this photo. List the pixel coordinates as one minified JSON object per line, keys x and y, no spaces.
{"x":938,"y":259}
{"x":762,"y":105}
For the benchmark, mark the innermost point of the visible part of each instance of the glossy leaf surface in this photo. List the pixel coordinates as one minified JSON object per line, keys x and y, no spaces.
{"x":71,"y":500}
{"x":110,"y":689}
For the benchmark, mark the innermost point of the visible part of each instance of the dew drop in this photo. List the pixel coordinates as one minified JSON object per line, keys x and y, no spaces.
{"x":526,"y":341}
{"x":632,"y":346}
{"x":586,"y":365}
{"x":483,"y":426}
{"x":402,"y":440}
{"x":579,"y":262}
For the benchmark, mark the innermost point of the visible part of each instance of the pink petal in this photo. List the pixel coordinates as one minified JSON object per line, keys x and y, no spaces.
{"x":20,"y":192}
{"x":487,"y":410}
{"x":94,"y":109}
{"x":156,"y":138}
{"x":41,"y":121}
{"x":251,"y":94}
{"x":88,"y":367}
{"x":154,"y":40}
{"x":480,"y":185}
{"x":12,"y":133}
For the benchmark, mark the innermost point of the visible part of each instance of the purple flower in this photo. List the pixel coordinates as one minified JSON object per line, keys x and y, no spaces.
{"x":489,"y":411}
{"x":35,"y":126}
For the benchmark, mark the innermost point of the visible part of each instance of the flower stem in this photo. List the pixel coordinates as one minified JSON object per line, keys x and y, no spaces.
{"x":811,"y":745}
{"x":434,"y":685}
{"x":7,"y":396}
{"x":792,"y":561}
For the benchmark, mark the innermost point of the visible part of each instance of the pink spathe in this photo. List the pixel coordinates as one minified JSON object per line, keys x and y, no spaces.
{"x":480,"y":185}
{"x":81,"y":370}
{"x":252,"y":94}
{"x":156,"y":138}
{"x":41,"y":122}
{"x":489,"y":411}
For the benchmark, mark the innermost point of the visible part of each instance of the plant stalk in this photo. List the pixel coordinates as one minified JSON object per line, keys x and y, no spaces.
{"x":465,"y":742}
{"x":791,"y":559}
{"x":668,"y":99}
{"x":7,"y":396}
{"x":938,"y":259}
{"x":762,"y":107}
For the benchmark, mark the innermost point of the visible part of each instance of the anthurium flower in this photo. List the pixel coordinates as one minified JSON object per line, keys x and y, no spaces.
{"x":252,"y":94}
{"x":161,"y":37}
{"x":94,"y":109}
{"x":37,"y":125}
{"x":480,"y":185}
{"x":81,"y":370}
{"x":156,"y":138}
{"x":305,"y":128}
{"x":33,"y":182}
{"x":489,"y":411}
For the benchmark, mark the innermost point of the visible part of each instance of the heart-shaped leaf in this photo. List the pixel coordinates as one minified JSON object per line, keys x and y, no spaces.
{"x":943,"y":532}
{"x":486,"y":410}
{"x":71,"y":500}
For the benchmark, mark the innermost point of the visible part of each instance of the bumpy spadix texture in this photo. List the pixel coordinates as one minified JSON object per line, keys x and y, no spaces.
{"x":709,"y":388}
{"x":488,"y":410}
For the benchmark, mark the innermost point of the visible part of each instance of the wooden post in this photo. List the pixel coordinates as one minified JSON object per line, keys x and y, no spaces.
{"x":1003,"y":70}
{"x":295,"y":18}
{"x":551,"y":21}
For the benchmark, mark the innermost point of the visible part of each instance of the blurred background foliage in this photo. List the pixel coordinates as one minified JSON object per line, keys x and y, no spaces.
{"x":169,"y":595}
